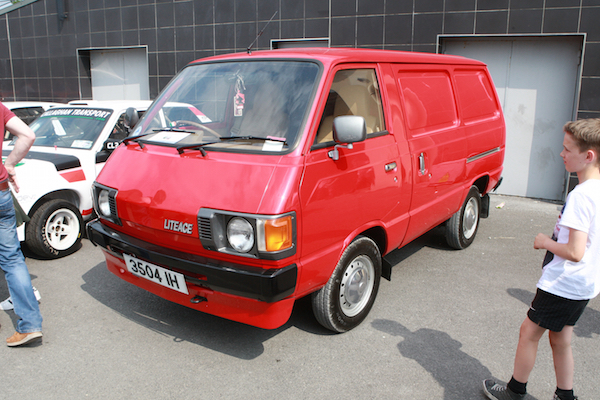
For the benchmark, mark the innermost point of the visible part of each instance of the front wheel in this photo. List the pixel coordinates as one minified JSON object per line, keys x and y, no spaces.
{"x":346,"y":299}
{"x":461,"y":228}
{"x":55,"y":229}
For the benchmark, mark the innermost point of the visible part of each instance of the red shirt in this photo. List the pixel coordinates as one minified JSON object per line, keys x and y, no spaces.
{"x":5,"y":116}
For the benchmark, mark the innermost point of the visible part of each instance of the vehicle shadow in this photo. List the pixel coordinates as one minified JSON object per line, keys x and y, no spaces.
{"x":222,"y":335}
{"x":440,"y":355}
{"x":185,"y":324}
{"x":30,"y":254}
{"x":433,"y":239}
{"x":588,"y":324}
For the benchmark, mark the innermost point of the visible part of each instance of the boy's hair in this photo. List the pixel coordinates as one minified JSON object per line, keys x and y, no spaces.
{"x":586,"y":133}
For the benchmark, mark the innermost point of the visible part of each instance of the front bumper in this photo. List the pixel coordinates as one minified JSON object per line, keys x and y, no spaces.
{"x":268,"y":285}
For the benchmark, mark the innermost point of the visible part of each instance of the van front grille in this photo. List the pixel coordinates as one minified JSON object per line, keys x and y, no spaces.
{"x":204,"y":230}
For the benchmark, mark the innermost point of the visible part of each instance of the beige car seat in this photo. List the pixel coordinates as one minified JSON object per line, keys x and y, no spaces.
{"x":353,"y":92}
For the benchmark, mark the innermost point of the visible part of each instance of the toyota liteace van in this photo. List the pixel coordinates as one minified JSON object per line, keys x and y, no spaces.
{"x":257,"y":179}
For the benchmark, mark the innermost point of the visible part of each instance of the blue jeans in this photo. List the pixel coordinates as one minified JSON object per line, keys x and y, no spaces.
{"x":15,"y":269}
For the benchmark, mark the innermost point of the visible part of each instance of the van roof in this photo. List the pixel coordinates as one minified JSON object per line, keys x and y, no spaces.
{"x":335,"y":55}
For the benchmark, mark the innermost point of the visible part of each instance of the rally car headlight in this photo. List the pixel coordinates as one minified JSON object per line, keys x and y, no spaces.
{"x":270,"y":237}
{"x":240,"y":235}
{"x":105,"y":203}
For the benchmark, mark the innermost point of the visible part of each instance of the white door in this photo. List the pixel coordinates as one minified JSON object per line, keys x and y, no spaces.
{"x":120,"y":74}
{"x":536,"y":80}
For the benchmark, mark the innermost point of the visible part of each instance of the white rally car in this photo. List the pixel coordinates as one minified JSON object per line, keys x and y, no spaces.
{"x":72,"y":144}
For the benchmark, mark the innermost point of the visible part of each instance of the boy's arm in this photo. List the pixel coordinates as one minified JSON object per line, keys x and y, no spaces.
{"x":573,"y":250}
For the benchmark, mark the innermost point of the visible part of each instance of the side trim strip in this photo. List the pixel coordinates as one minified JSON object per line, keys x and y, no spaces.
{"x":484,"y":154}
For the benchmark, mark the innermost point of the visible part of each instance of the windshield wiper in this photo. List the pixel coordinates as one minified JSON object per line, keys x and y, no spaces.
{"x":135,"y":138}
{"x":274,"y":139}
{"x":172,"y":130}
{"x":197,"y":146}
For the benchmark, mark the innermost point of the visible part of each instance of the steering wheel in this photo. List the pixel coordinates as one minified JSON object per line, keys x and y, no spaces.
{"x":181,"y":123}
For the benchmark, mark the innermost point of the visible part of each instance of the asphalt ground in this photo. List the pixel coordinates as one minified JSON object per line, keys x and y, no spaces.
{"x":447,"y":320}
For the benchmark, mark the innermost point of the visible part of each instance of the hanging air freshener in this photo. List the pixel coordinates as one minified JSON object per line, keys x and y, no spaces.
{"x":238,"y":101}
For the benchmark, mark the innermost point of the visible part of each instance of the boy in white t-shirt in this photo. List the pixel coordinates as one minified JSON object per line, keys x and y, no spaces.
{"x":571,"y":274}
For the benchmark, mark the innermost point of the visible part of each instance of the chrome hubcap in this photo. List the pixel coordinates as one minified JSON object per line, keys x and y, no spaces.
{"x":357,"y":285}
{"x":470,"y":218}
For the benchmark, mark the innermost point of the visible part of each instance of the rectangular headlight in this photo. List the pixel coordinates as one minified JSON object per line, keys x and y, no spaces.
{"x":274,"y":235}
{"x":105,"y":203}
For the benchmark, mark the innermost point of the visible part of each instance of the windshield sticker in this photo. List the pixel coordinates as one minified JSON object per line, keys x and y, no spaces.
{"x":58,"y":128}
{"x":169,"y":137}
{"x":203,"y":118}
{"x":272,"y":145}
{"x":82,"y":144}
{"x":77,"y":112}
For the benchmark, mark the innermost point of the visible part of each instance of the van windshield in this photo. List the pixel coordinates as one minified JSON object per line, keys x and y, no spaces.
{"x":234,"y":106}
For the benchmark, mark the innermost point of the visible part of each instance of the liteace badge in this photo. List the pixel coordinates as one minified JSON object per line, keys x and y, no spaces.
{"x":178,"y":226}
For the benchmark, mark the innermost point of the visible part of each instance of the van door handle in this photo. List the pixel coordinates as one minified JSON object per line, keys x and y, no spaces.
{"x":390,"y":167}
{"x":422,"y":163}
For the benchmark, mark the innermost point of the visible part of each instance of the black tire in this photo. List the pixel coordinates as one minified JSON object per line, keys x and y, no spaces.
{"x":346,"y":299}
{"x":54,"y":230}
{"x":462,"y":227}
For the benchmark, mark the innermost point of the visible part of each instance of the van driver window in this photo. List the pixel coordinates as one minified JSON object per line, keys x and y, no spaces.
{"x":353,"y":92}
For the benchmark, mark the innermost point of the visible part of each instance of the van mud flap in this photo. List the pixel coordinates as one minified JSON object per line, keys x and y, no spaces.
{"x":386,"y":269}
{"x":485,"y":206}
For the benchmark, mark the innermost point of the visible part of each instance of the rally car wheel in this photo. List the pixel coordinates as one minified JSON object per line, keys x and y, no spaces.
{"x":346,"y":299}
{"x":461,"y":228}
{"x":55,"y":229}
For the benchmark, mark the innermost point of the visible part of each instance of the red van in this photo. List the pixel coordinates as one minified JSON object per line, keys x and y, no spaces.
{"x":256,"y":179}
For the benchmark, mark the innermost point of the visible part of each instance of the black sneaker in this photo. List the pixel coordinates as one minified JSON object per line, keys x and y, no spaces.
{"x":496,"y":391}
{"x":558,"y":398}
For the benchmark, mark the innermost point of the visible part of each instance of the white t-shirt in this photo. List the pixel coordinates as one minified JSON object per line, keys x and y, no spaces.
{"x":577,"y":280}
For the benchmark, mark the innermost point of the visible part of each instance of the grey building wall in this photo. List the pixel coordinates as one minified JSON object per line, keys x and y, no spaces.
{"x":43,"y":54}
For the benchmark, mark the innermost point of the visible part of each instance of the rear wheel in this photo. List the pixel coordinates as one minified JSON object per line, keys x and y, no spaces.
{"x":346,"y":299}
{"x":461,"y":228}
{"x":55,"y":229}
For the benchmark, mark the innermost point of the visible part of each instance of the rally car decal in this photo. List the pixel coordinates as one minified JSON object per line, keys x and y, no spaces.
{"x":60,"y":161}
{"x":74,"y":176}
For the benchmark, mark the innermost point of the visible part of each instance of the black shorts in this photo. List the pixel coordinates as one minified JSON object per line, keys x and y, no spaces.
{"x":554,"y":312}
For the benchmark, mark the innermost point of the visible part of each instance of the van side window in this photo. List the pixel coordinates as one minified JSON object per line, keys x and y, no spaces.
{"x":353,"y":92}
{"x":476,"y":96}
{"x":428,"y":99}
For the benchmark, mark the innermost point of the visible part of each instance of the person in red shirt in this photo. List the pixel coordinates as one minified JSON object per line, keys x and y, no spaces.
{"x":12,"y":261}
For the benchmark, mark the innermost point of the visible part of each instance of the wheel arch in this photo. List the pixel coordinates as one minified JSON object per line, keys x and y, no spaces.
{"x":482,"y":184}
{"x":378,"y":235}
{"x":64,"y":194}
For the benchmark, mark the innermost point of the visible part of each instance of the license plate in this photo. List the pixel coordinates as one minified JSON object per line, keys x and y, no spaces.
{"x":162,"y":276}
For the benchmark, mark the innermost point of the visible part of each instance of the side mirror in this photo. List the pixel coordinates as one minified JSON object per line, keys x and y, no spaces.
{"x":110,"y":145}
{"x":347,"y":129}
{"x":131,"y":118}
{"x":107,"y":148}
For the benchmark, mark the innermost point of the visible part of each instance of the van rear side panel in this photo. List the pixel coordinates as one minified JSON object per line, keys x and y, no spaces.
{"x":481,"y":115}
{"x":456,"y":137}
{"x":437,"y":144}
